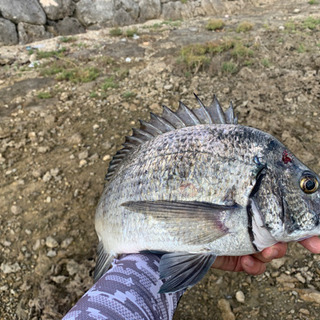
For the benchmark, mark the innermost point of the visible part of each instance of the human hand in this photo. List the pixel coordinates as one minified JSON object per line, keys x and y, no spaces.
{"x":256,"y":263}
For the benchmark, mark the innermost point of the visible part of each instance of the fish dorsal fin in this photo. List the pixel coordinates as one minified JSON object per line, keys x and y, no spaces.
{"x":169,"y":121}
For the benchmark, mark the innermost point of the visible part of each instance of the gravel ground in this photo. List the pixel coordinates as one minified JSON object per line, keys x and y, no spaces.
{"x":64,"y":114}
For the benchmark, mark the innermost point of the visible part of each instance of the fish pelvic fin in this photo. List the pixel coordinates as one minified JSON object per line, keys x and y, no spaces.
{"x":103,"y":262}
{"x":181,"y":270}
{"x":169,"y":121}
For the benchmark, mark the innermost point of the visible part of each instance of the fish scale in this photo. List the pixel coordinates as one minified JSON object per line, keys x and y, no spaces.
{"x":194,"y":185}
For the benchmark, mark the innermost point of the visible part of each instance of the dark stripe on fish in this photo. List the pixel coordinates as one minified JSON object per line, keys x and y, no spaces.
{"x":250,"y":230}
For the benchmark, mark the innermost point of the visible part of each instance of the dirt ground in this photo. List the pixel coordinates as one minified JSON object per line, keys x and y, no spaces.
{"x":64,"y":114}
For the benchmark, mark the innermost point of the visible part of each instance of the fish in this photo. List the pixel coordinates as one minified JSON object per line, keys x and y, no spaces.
{"x":194,"y":184}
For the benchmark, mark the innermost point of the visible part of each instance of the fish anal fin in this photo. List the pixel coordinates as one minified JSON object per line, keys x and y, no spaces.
{"x":181,"y":270}
{"x":104,"y":261}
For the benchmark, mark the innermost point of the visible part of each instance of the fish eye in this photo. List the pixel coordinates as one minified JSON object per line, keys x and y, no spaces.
{"x":309,"y":184}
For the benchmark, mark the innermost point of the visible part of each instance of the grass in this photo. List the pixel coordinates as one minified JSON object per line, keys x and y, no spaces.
{"x":67,"y":39}
{"x":266,"y":63}
{"x":241,"y":51}
{"x":44,"y":95}
{"x":215,"y":24}
{"x":79,"y":75}
{"x":229,"y":67}
{"x":290,"y":26}
{"x":128,"y":95}
{"x":244,"y":26}
{"x":116,"y":32}
{"x":131,"y":32}
{"x":93,"y":95}
{"x":49,"y":54}
{"x":313,"y":2}
{"x":311,"y":23}
{"x":109,"y":83}
{"x":301,"y":48}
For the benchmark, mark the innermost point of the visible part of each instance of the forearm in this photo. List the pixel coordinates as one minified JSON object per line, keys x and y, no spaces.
{"x":129,"y":290}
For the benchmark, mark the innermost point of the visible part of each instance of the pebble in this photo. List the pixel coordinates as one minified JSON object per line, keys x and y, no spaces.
{"x":36,"y":246}
{"x":51,"y":242}
{"x":225,"y":310}
{"x":48,"y":199}
{"x":277,"y":263}
{"x":240,"y":296}
{"x":82,"y":163}
{"x":106,"y":157}
{"x":64,"y":96}
{"x":10,"y":268}
{"x":72,"y":267}
{"x":95,"y":127}
{"x":300,"y":277}
{"x":54,"y":172}
{"x":76,"y":138}
{"x":15,"y":210}
{"x":28,"y":231}
{"x":51,"y":253}
{"x":309,"y":295}
{"x":36,"y":173}
{"x":58,"y":279}
{"x":83,"y":155}
{"x":168,"y":87}
{"x":47,"y":177}
{"x":66,"y":242}
{"x":6,"y":243}
{"x":43,"y":149}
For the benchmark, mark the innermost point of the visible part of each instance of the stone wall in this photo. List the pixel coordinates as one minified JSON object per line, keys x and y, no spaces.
{"x":23,"y":21}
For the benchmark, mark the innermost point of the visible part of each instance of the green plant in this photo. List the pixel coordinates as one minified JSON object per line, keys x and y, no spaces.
{"x":313,"y":2}
{"x":93,"y":94}
{"x":244,"y":26}
{"x":109,"y":83}
{"x":311,"y":23}
{"x":131,"y":32}
{"x":266,"y":63}
{"x":301,"y":48}
{"x":79,"y":75}
{"x":290,"y":26}
{"x":128,"y":95}
{"x":44,"y":95}
{"x":67,"y":39}
{"x":229,"y":67}
{"x":49,"y":54}
{"x":116,"y":32}
{"x":215,"y":24}
{"x":241,"y":51}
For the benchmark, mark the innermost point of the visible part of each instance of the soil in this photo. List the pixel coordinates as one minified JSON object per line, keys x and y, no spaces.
{"x":57,"y":138}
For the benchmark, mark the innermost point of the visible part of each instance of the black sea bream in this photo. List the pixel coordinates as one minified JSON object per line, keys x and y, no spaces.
{"x":193,"y":185}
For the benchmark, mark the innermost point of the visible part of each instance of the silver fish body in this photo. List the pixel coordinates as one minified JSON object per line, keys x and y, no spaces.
{"x":195,"y":185}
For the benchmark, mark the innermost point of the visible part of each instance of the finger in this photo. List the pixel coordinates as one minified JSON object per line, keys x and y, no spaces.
{"x":312,"y":244}
{"x":275,"y":252}
{"x":252,"y":266}
{"x":228,"y":263}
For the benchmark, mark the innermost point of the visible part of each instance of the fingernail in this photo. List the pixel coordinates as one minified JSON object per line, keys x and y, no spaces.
{"x":275,"y":253}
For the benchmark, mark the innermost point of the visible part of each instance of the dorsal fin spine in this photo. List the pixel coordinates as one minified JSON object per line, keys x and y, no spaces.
{"x":170,"y":121}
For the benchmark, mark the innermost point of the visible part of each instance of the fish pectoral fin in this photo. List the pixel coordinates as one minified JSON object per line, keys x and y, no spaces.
{"x":103,"y":262}
{"x":182,"y":270}
{"x":192,"y":222}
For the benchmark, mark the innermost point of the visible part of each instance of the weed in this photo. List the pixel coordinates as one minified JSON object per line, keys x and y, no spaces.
{"x":67,"y":39}
{"x":313,"y":2}
{"x":240,"y":51}
{"x":116,"y":32}
{"x":301,"y":48}
{"x":131,"y":32}
{"x":229,"y":67}
{"x":44,"y":95}
{"x":311,"y":23}
{"x":290,"y":26}
{"x":123,"y":73}
{"x":244,"y":26}
{"x":266,"y":63}
{"x":79,"y":75}
{"x":184,"y":1}
{"x":30,"y":52}
{"x":215,"y":24}
{"x":109,"y":83}
{"x":105,"y":61}
{"x":128,"y":95}
{"x":93,"y":95}
{"x":49,"y":54}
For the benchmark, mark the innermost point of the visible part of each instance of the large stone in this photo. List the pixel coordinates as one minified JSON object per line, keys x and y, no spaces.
{"x":30,"y":32}
{"x":149,"y":9}
{"x":172,"y":10}
{"x":98,"y":12}
{"x":28,"y":11}
{"x":57,"y":9}
{"x":66,"y":26}
{"x":8,"y":32}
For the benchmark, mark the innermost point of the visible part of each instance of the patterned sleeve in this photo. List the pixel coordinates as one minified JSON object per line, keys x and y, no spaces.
{"x":128,"y":291}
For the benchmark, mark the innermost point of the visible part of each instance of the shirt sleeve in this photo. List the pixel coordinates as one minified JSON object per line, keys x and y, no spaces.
{"x":128,"y":291}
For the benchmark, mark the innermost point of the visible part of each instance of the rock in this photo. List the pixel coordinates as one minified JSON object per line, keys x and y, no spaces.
{"x":309,"y":295}
{"x":240,"y":296}
{"x":83,"y":155}
{"x":66,"y":243}
{"x":10,"y":268}
{"x":149,"y":9}
{"x":28,"y":11}
{"x":47,"y":177}
{"x":30,"y":32}
{"x":75,"y":138}
{"x":72,"y":267}
{"x":98,"y":12}
{"x":58,"y":279}
{"x":51,"y":242}
{"x":127,"y":12}
{"x":57,"y":9}
{"x":8,"y":32}
{"x":277,"y":263}
{"x":36,"y":246}
{"x":172,"y":10}
{"x":51,"y":253}
{"x":225,"y":310}
{"x":15,"y":210}
{"x":54,"y":172}
{"x":107,"y":157}
{"x":43,"y":149}
{"x":67,"y":26}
